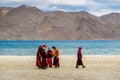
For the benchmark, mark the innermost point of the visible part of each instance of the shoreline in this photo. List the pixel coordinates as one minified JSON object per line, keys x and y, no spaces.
{"x":66,"y":55}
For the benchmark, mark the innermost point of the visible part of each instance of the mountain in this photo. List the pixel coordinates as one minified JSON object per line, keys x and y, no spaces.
{"x":113,"y":18}
{"x":30,"y":23}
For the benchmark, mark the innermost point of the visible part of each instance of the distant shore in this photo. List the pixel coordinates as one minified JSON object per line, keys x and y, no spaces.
{"x":98,"y":67}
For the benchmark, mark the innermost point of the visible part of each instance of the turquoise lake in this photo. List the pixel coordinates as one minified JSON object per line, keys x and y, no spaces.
{"x":66,"y":47}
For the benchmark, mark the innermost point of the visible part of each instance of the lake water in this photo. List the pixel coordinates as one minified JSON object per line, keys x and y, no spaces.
{"x":66,"y":47}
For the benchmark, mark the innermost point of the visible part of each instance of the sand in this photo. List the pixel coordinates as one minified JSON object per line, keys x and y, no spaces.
{"x":98,"y":67}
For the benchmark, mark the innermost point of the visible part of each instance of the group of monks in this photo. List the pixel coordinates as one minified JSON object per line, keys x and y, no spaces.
{"x":47,"y":57}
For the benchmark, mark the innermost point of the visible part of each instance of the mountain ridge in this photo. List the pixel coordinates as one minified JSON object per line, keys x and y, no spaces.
{"x":30,"y":23}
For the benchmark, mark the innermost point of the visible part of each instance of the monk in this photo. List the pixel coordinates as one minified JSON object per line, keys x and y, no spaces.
{"x":79,"y":58}
{"x":56,"y":57}
{"x":38,"y":57}
{"x":49,"y":57}
{"x":43,"y":55}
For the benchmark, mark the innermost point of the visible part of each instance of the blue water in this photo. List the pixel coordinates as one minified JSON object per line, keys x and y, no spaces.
{"x":66,"y":47}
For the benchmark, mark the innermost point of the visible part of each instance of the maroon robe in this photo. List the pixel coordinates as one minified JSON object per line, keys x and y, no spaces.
{"x":56,"y":61}
{"x":38,"y":57}
{"x":43,"y":55}
{"x":49,"y":57}
{"x":79,"y":57}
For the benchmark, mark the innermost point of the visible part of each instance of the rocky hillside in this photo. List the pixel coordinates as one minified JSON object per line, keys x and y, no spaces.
{"x":113,"y":18}
{"x":30,"y":23}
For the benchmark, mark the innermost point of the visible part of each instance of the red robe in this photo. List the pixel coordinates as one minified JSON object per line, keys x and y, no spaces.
{"x":38,"y":57}
{"x":49,"y":57}
{"x":56,"y":61}
{"x":43,"y":55}
{"x":79,"y":58}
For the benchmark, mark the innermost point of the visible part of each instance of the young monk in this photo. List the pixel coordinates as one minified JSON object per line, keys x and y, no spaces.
{"x":49,"y":57}
{"x":79,"y":58}
{"x":56,"y":57}
{"x":38,"y":57}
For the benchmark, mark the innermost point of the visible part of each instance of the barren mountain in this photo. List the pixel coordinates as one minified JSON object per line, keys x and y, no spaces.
{"x":113,"y":18}
{"x":30,"y":23}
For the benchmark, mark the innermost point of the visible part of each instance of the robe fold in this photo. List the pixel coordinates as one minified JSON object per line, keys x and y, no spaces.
{"x":79,"y":57}
{"x":43,"y":55}
{"x":49,"y":57}
{"x":38,"y":57}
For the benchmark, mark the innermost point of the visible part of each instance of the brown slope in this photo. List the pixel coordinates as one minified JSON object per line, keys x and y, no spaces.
{"x":113,"y":18}
{"x":20,"y":23}
{"x":4,"y":10}
{"x":81,"y":25}
{"x":26,"y":22}
{"x":91,"y":27}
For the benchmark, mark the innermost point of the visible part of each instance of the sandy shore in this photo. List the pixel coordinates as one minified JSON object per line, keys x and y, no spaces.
{"x":97,"y":68}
